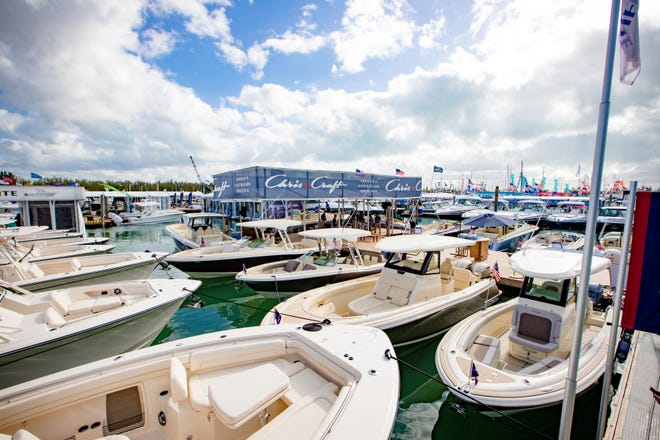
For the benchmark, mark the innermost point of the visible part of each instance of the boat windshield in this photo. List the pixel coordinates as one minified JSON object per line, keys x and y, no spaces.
{"x":557,"y":292}
{"x":417,"y":263}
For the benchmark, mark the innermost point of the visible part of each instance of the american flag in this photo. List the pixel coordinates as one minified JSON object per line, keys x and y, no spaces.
{"x":495,"y":273}
{"x":399,"y":172}
{"x":474,"y":374}
{"x":359,"y":171}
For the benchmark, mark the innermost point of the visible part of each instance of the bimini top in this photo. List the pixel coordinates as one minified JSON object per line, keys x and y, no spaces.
{"x":347,"y":234}
{"x":421,"y":243}
{"x":553,"y":264}
{"x":194,"y":215}
{"x":279,"y":223}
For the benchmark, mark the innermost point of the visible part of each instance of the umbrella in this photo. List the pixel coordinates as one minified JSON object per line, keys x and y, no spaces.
{"x":488,"y":220}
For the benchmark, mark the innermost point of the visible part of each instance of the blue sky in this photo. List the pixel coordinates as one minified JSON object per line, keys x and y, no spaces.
{"x":128,"y":89}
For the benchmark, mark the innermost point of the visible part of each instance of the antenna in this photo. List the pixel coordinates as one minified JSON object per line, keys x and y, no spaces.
{"x":201,"y":182}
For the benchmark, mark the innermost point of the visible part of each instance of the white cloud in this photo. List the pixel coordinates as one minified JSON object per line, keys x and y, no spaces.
{"x":518,"y":85}
{"x":372,"y":29}
{"x":156,"y":43}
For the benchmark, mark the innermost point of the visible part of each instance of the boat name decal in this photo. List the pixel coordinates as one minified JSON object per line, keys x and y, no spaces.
{"x":281,"y":181}
{"x":223,"y":186}
{"x":395,"y":185}
{"x":319,"y":183}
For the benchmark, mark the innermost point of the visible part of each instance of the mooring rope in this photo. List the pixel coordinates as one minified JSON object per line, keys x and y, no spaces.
{"x":389,"y":355}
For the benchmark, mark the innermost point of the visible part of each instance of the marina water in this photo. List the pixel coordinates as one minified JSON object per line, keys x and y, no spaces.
{"x":426,"y":408}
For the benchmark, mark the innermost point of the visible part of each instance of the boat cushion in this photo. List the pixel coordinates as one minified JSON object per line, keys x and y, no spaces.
{"x":485,"y":348}
{"x":178,"y":380}
{"x":308,"y":266}
{"x":53,"y":319}
{"x":399,"y":297}
{"x":237,"y":396}
{"x":291,"y":265}
{"x":542,"y":365}
{"x":23,"y":434}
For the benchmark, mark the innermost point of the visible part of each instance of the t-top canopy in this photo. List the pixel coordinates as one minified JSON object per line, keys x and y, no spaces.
{"x":339,"y":233}
{"x":553,"y":264}
{"x":421,"y":242}
{"x":281,"y":224}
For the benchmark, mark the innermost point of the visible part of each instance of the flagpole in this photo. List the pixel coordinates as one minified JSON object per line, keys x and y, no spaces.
{"x":597,"y":174}
{"x":618,"y":295}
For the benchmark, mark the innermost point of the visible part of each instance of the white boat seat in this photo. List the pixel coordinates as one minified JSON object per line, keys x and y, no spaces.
{"x":446,"y":269}
{"x":303,"y":418}
{"x":534,"y":328}
{"x":243,"y":393}
{"x":76,"y":265}
{"x":73,"y":306}
{"x":178,"y":380}
{"x":485,"y":349}
{"x":53,"y":319}
{"x":542,"y":366}
{"x":24,"y":434}
{"x":463,"y":278}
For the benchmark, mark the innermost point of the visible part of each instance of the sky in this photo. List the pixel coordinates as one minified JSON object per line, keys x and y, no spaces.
{"x":130,"y":89}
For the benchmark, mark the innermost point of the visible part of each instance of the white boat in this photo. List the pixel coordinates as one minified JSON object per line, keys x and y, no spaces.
{"x":270,"y":242}
{"x":51,"y":331}
{"x":197,"y":227}
{"x":34,"y":253}
{"x":529,"y":210}
{"x":286,"y":382}
{"x":504,"y":233}
{"x":489,"y":207}
{"x":419,"y":293}
{"x":337,"y":258}
{"x":147,"y":212}
{"x":520,"y":349}
{"x":555,"y":239}
{"x":612,"y":216}
{"x":460,"y":205}
{"x":76,"y":271}
{"x":567,"y":215}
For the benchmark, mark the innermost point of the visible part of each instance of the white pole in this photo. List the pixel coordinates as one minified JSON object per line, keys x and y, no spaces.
{"x":614,"y":331}
{"x":590,"y":236}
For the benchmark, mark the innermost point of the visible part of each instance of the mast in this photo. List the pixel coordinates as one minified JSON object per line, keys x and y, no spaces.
{"x":590,"y":236}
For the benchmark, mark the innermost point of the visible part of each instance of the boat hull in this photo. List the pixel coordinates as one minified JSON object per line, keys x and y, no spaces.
{"x":270,"y":285}
{"x":229,"y":263}
{"x":107,"y":339}
{"x":139,"y":270}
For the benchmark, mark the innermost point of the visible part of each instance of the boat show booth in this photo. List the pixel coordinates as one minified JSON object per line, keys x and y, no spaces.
{"x":283,"y":190}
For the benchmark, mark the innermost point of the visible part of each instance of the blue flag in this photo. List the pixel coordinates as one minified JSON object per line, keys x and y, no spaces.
{"x":437,"y":169}
{"x":35,"y":176}
{"x":474,"y":374}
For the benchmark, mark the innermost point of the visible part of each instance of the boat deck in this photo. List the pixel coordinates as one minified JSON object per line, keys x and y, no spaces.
{"x":635,"y":414}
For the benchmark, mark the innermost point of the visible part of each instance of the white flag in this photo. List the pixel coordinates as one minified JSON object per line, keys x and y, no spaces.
{"x":629,"y":41}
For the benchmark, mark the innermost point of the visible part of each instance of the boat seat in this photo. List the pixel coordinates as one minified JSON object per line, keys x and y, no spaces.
{"x":24,"y":434}
{"x":446,"y":269}
{"x":35,"y":271}
{"x":536,"y":329}
{"x":76,"y":264}
{"x":552,"y":285}
{"x":308,"y":266}
{"x":485,"y":349}
{"x":301,"y":419}
{"x":53,"y":318}
{"x":291,"y":265}
{"x":241,"y":394}
{"x":541,"y":366}
{"x":73,"y":306}
{"x":463,"y":278}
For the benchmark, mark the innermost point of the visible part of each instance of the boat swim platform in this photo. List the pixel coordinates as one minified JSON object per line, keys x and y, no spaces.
{"x":634,"y":412}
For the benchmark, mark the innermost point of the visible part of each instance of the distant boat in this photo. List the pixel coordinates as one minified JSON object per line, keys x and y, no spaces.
{"x":194,"y":227}
{"x":461,"y":204}
{"x":269,"y":241}
{"x":150,"y":212}
{"x":567,"y":215}
{"x":279,"y":382}
{"x":337,"y":258}
{"x":503,"y":233}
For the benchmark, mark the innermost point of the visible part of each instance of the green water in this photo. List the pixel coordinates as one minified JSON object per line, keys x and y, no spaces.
{"x":426,"y":409}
